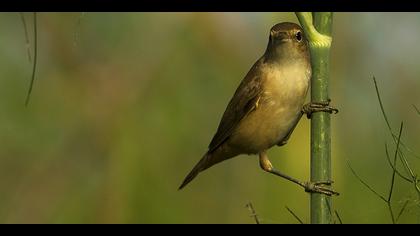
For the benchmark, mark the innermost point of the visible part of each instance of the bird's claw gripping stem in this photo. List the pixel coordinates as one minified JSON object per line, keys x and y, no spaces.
{"x":313,"y":107}
{"x":320,"y":187}
{"x":311,"y":187}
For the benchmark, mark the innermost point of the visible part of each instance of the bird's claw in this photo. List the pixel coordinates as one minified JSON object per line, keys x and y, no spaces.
{"x":320,"y":187}
{"x":313,"y":107}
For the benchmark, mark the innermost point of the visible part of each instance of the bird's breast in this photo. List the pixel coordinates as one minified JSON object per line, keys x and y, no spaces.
{"x":286,"y":85}
{"x":278,"y":111}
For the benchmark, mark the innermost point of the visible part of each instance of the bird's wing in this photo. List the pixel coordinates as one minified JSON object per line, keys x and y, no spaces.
{"x":242,"y":103}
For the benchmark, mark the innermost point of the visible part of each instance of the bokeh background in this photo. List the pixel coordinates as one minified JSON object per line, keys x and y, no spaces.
{"x":124,"y":104}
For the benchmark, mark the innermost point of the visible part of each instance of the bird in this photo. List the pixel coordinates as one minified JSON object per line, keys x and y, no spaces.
{"x":267,"y":105}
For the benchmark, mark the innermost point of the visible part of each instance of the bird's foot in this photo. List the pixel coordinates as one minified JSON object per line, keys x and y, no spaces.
{"x":322,"y":187}
{"x":313,"y":107}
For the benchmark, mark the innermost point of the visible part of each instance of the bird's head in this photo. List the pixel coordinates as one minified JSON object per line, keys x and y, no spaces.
{"x":287,"y":40}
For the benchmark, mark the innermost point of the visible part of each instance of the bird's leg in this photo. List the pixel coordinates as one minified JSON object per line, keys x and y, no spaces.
{"x":316,"y":187}
{"x":313,"y":107}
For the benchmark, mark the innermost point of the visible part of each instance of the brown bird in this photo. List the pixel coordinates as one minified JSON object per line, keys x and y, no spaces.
{"x":267,"y":105}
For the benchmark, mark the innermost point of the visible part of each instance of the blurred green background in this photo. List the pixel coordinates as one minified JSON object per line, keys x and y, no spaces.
{"x":124,"y":104}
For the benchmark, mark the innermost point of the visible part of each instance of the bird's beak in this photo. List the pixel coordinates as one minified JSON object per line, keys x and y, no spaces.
{"x":283,"y":40}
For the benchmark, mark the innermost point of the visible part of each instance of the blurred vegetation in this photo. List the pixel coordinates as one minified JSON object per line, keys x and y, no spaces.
{"x":124,"y":104}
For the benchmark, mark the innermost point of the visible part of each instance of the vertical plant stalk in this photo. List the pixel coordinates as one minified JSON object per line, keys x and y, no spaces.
{"x":31,"y":84}
{"x":25,"y":29}
{"x":317,"y":27}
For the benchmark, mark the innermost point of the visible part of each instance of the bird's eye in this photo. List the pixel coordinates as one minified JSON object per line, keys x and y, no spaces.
{"x":298,"y":36}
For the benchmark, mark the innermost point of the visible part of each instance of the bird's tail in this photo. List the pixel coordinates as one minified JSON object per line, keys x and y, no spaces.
{"x":203,"y":164}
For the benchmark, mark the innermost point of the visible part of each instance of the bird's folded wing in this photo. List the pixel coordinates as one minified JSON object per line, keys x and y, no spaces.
{"x":242,"y":103}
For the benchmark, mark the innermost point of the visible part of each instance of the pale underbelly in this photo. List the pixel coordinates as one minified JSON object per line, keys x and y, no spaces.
{"x":265,"y":127}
